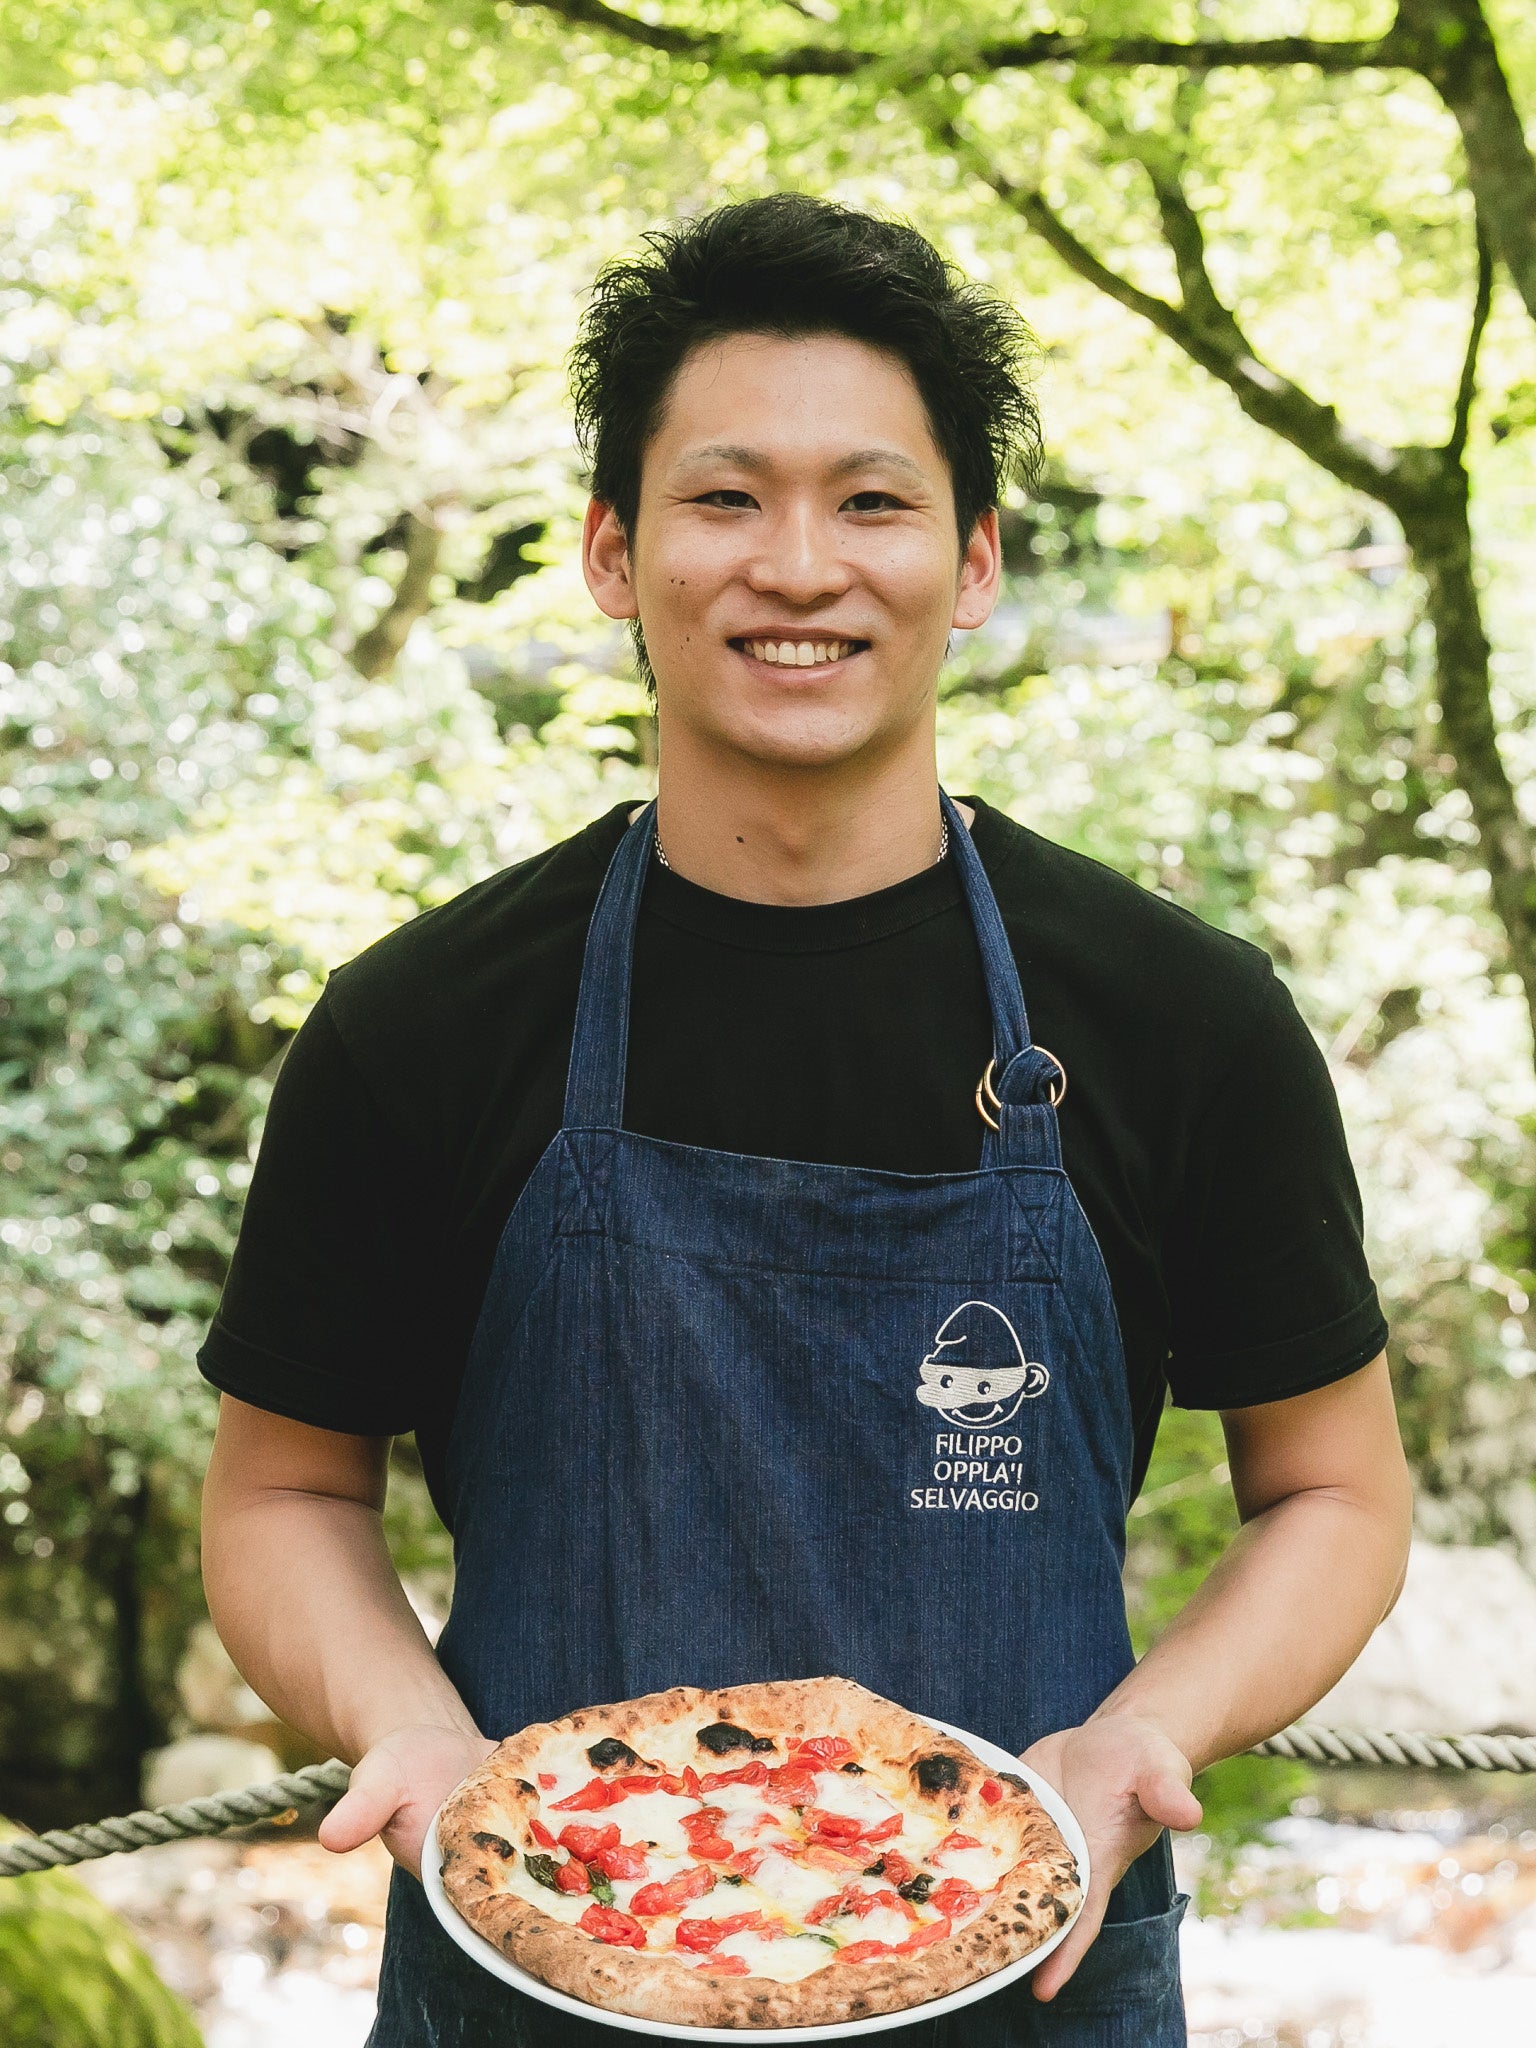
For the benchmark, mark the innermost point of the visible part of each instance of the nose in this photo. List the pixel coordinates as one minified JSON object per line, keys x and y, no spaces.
{"x":799,"y":558}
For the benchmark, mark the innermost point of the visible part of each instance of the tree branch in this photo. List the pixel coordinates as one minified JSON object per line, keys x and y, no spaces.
{"x":1015,"y":53}
{"x":374,"y":651}
{"x":1201,"y":326}
{"x":1450,"y":43}
{"x":1482,"y":301}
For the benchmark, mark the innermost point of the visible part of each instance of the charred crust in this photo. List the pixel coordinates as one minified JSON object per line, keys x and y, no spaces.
{"x":854,"y":1770}
{"x":523,"y":1785}
{"x":721,"y":1737}
{"x":938,"y":1773}
{"x":1010,"y":1778}
{"x":497,"y":1845}
{"x":609,"y":1751}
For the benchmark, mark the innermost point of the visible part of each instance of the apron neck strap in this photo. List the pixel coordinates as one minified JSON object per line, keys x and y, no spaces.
{"x":594,"y":1087}
{"x":1022,"y":1075}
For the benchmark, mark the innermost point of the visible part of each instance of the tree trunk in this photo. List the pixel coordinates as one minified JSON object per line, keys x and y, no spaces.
{"x":375,"y":651}
{"x":1454,"y":49}
{"x":1439,"y":537}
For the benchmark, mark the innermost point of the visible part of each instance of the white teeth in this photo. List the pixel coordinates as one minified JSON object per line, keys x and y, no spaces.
{"x":798,"y":653}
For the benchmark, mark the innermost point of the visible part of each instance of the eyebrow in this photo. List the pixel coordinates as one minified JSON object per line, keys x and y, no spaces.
{"x":755,"y":462}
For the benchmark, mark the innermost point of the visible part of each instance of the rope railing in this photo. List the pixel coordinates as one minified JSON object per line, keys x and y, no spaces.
{"x":1393,"y":1749}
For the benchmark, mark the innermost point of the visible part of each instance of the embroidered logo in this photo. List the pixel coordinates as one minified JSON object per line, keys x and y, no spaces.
{"x":976,"y":1375}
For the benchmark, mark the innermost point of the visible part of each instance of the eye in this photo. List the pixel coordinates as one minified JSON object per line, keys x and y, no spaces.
{"x":730,"y":500}
{"x":984,"y":1386}
{"x":946,"y":1380}
{"x":873,"y":501}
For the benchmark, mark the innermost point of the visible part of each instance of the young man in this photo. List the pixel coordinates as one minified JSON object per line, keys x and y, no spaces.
{"x":681,"y":1354}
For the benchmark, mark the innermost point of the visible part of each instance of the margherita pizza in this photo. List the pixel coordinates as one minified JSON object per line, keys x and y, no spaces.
{"x":795,"y":1853}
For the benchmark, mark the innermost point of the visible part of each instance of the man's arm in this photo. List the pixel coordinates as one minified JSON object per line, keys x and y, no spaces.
{"x":1325,"y":1499}
{"x":304,"y":1595}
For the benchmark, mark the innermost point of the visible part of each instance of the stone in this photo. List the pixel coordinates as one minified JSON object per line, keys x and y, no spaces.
{"x":1456,"y":1656}
{"x":200,"y":1765}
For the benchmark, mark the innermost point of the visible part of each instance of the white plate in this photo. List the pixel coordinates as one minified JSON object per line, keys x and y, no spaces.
{"x":492,"y":1959}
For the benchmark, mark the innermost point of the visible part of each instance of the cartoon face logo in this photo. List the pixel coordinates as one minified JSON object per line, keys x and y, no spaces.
{"x":976,"y":1373}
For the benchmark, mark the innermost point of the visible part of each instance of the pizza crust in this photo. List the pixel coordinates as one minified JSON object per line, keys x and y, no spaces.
{"x":489,"y":1813}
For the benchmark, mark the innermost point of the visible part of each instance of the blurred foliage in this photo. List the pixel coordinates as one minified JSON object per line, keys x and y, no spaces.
{"x":294,"y":644}
{"x":71,"y":1976}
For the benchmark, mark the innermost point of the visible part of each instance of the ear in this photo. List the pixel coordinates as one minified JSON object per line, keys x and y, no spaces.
{"x":605,"y":562}
{"x":981,"y":570}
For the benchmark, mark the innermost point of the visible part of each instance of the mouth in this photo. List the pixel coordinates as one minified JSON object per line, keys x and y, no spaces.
{"x":805,"y":650}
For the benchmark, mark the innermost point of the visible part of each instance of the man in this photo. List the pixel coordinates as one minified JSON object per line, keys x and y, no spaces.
{"x":695,"y":1360}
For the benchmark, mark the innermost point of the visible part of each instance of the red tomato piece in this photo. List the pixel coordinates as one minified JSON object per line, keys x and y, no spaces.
{"x":991,"y":1791}
{"x":725,"y":1966}
{"x":547,"y":1781}
{"x":791,"y":1783}
{"x":955,"y":1897}
{"x":699,"y":1936}
{"x":745,"y":1862}
{"x":620,"y":1859}
{"x":924,"y":1937}
{"x":572,"y":1877}
{"x":825,"y":1749}
{"x":863,"y":1951}
{"x":822,"y":1855}
{"x":885,"y":1830}
{"x":834,"y":1827}
{"x":749,"y":1774}
{"x":584,"y":1841}
{"x":955,"y":1841}
{"x":597,"y":1793}
{"x":676,"y":1893}
{"x":607,"y":1923}
{"x":636,"y":1781}
{"x":541,"y":1835}
{"x":691,"y":1783}
{"x":895,"y":1868}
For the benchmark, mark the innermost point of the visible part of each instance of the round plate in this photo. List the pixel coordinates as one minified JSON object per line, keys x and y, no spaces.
{"x":492,"y":1959}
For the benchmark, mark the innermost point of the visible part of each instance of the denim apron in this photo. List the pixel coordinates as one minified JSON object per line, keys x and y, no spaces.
{"x":727,"y":1418}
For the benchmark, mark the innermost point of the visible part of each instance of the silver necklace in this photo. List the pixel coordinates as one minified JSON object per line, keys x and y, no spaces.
{"x":943,"y":844}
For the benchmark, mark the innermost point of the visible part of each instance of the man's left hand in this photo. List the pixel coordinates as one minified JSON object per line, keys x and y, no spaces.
{"x":1126,"y":1781}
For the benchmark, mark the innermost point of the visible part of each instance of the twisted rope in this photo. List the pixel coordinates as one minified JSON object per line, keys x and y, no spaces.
{"x":212,"y":1816}
{"x":1395,"y":1749}
{"x":1402,"y":1751}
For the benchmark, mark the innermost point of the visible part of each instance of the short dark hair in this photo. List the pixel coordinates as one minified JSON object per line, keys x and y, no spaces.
{"x":792,"y":265}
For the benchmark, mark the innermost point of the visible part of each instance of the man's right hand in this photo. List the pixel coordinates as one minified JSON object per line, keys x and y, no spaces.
{"x":397,"y":1785}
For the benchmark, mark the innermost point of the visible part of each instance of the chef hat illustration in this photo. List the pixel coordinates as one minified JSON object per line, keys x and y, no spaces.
{"x":977,"y":1358}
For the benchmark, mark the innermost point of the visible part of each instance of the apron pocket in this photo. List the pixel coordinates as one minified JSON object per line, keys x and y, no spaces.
{"x":1133,"y":1966}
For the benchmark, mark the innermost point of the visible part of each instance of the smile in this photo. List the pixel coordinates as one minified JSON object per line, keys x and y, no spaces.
{"x":798,"y":653}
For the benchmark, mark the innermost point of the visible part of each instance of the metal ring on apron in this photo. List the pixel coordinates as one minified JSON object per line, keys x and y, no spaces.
{"x":985,"y":1089}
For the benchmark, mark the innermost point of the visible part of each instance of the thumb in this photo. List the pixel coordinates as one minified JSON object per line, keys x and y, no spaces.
{"x":1165,"y":1798}
{"x":364,"y":1810}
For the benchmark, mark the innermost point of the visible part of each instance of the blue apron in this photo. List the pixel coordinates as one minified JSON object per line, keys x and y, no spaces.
{"x":727,"y":1418}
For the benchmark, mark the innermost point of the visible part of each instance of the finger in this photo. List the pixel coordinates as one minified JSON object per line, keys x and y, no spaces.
{"x":1165,"y":1798}
{"x":364,"y":1810}
{"x":1060,"y":1964}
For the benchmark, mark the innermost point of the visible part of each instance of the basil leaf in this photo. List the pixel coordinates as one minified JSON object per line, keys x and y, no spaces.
{"x":540,"y":1868}
{"x":602,"y":1890}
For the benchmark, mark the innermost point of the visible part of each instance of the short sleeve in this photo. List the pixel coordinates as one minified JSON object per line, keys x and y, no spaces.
{"x":322,"y":1301}
{"x":1269,"y":1293}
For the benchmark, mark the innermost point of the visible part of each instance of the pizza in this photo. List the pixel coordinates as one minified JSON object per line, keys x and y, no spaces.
{"x":794,"y":1853}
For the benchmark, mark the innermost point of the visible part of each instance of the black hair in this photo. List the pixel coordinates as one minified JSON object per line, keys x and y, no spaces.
{"x":792,"y":265}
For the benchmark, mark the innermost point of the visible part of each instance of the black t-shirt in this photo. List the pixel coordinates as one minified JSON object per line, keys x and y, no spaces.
{"x":1199,"y":1129}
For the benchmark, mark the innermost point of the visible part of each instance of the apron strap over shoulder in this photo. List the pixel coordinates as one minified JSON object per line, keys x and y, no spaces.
{"x":1023,"y":1077}
{"x":594,"y":1087}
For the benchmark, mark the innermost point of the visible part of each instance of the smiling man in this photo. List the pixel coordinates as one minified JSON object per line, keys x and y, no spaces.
{"x":766,"y":1299}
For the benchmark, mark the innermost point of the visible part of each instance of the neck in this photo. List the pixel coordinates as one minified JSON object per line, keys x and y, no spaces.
{"x":771,"y":834}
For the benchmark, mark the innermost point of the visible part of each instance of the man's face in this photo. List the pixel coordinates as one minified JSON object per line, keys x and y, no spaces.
{"x":796,"y":567}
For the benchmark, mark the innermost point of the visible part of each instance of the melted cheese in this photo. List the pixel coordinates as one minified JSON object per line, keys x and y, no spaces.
{"x":786,"y":1960}
{"x":790,"y":1887}
{"x":980,"y":1867}
{"x":860,"y":1798}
